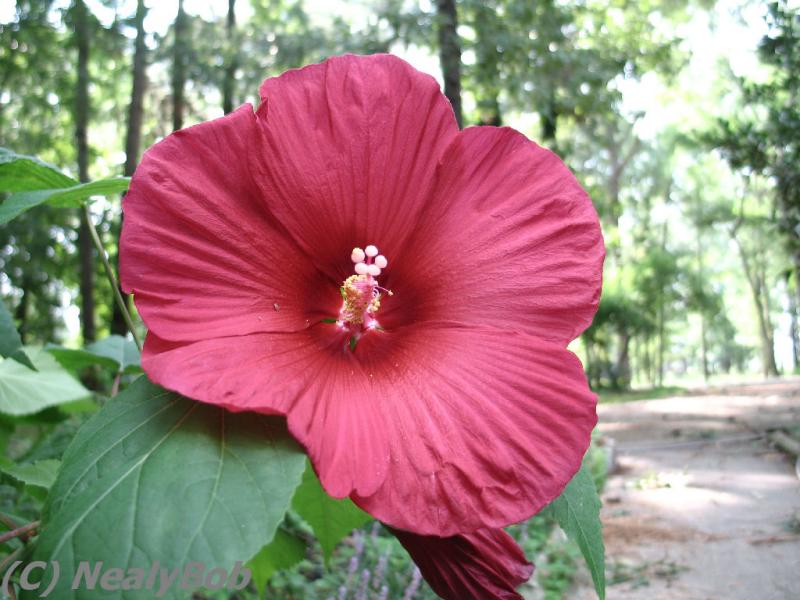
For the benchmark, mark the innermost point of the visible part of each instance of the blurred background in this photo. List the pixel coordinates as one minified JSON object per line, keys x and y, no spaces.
{"x":680,"y":117}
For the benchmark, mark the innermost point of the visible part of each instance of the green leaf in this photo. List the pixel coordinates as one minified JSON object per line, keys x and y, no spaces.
{"x":24,"y":392}
{"x":577,"y":511}
{"x":157,"y":477}
{"x":77,"y":360}
{"x":23,"y":359}
{"x":283,"y":552}
{"x":40,"y":474}
{"x":69,"y":197}
{"x":330,"y":519}
{"x":122,"y":351}
{"x":20,"y":173}
{"x":10,"y":341}
{"x":115,"y":353}
{"x":75,"y":195}
{"x":18,"y":203}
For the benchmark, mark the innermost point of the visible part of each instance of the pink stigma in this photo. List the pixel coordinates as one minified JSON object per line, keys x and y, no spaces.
{"x":361,"y":294}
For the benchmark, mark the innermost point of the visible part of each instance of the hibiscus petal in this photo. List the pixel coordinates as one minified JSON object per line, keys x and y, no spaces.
{"x":486,"y":564}
{"x":323,"y":390}
{"x":436,"y":429}
{"x":353,"y":145}
{"x":199,"y":249}
{"x":487,"y":427}
{"x":511,"y":237}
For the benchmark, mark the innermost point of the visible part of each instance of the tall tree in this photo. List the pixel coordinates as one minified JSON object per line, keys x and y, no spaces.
{"x":488,"y":39}
{"x":133,"y":137}
{"x":756,"y":279}
{"x":85,"y":247}
{"x":763,"y":135}
{"x":450,"y":53}
{"x":179,"y":64}
{"x":231,"y":59}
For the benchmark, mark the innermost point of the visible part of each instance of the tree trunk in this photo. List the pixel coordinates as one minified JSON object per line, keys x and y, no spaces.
{"x":662,"y":310}
{"x":85,"y":247}
{"x":704,"y":346}
{"x":789,"y":225}
{"x":21,"y":314}
{"x":179,"y":59}
{"x":793,"y":332}
{"x":618,"y":166}
{"x":549,"y":117}
{"x":450,"y":53}
{"x":701,"y":278}
{"x":761,"y":276}
{"x":767,"y":349}
{"x":624,"y":361}
{"x":661,"y":343}
{"x":486,"y":66}
{"x":232,"y":60}
{"x":133,"y":139}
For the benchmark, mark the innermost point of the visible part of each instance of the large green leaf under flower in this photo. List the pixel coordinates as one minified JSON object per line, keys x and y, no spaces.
{"x":156,"y":477}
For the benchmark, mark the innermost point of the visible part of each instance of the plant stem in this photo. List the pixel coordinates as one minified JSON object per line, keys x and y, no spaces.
{"x":115,"y":385}
{"x":112,"y":278}
{"x":8,"y":521}
{"x":9,"y":559}
{"x":18,"y":532}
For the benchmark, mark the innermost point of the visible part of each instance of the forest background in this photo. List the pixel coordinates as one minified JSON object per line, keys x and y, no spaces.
{"x":679,"y":117}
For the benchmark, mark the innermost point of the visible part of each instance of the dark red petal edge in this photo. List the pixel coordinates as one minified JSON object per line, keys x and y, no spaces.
{"x":485,"y":564}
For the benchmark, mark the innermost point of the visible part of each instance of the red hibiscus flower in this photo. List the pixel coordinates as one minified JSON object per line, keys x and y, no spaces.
{"x":446,"y":405}
{"x":486,"y":564}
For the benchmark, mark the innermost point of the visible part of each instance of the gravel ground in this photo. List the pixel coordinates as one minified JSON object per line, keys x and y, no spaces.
{"x":700,"y":506}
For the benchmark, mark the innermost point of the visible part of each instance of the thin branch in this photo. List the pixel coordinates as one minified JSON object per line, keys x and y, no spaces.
{"x":115,"y":385}
{"x":19,"y":532}
{"x":112,"y":278}
{"x":10,"y":559}
{"x":8,"y":521}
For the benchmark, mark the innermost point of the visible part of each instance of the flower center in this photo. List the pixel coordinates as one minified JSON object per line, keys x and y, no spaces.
{"x":361,"y":294}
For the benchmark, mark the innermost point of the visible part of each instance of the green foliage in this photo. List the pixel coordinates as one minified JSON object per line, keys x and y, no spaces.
{"x":330,"y":519}
{"x":41,"y":473}
{"x":283,"y":552}
{"x":156,"y":477}
{"x":116,"y":353}
{"x":24,"y":391}
{"x":32,"y":182}
{"x":765,"y":137}
{"x":10,"y":341}
{"x":617,"y":396}
{"x":370,"y":559}
{"x":19,"y":173}
{"x":577,"y":511}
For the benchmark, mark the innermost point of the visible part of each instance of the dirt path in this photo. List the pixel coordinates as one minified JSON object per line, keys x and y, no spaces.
{"x":700,"y":507}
